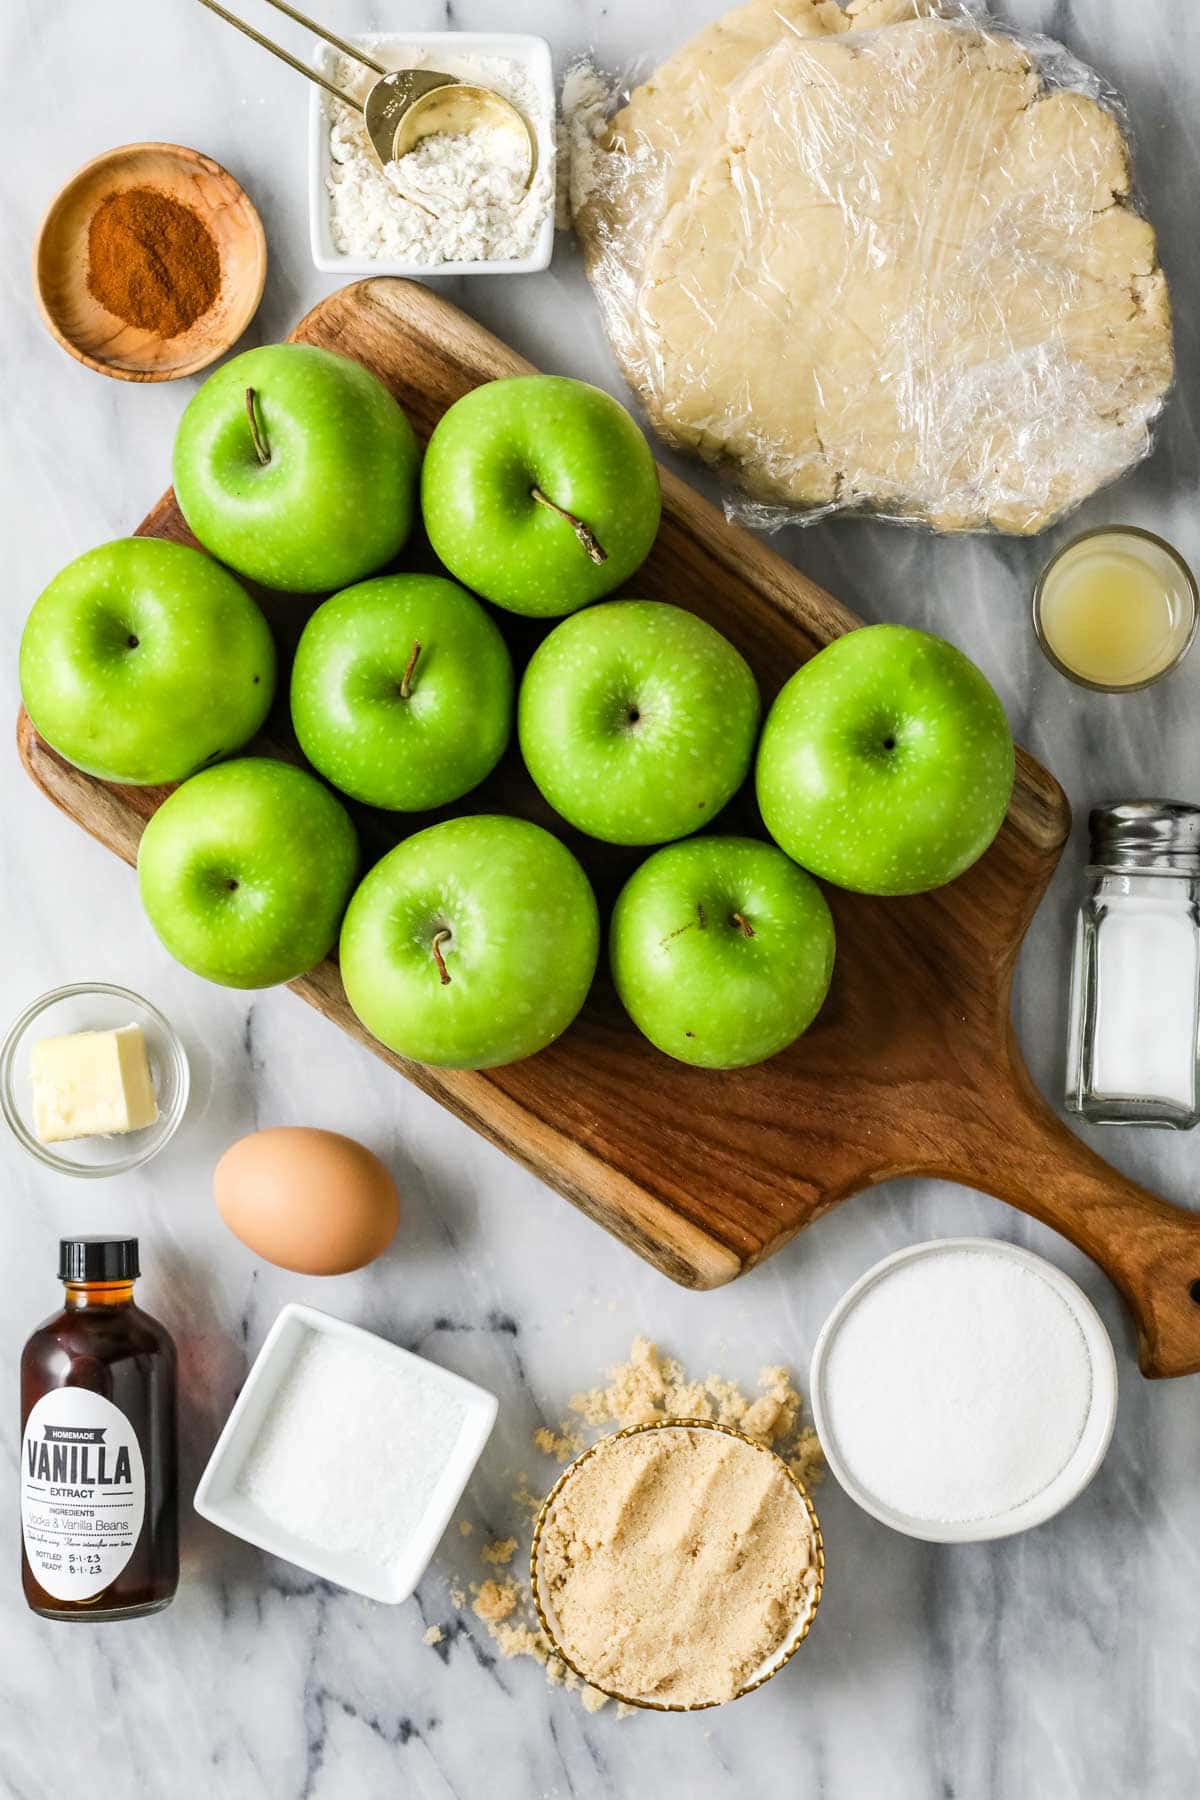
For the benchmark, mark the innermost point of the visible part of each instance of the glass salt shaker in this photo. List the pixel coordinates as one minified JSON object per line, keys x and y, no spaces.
{"x":1135,"y":982}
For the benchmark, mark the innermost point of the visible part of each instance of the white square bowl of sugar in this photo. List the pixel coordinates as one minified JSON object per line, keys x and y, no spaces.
{"x":359,"y":223}
{"x":345,"y":1454}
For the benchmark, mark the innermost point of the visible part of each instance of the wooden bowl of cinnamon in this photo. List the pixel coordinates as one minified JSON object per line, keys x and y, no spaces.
{"x":150,"y":263}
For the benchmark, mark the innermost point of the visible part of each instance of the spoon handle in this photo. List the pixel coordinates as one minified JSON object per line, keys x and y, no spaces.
{"x":293,"y":62}
{"x":350,"y":50}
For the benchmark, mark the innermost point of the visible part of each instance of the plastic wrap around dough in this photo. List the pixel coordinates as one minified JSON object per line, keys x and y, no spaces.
{"x":883,"y":261}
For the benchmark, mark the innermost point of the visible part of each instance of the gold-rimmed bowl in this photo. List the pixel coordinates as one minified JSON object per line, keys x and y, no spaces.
{"x":771,"y":1665}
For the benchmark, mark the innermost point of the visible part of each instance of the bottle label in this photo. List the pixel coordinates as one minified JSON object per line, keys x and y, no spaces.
{"x":83,"y":1492}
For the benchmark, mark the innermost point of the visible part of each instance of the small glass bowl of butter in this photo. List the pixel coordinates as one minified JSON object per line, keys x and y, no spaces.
{"x":93,"y":1079}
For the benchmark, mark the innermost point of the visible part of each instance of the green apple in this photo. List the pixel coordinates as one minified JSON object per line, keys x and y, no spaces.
{"x":886,"y":763}
{"x":245,"y":872}
{"x":637,"y":721}
{"x":402,"y":692}
{"x":540,"y":493}
{"x":144,"y":660}
{"x":297,"y":468}
{"x":721,"y":950}
{"x":471,"y":944}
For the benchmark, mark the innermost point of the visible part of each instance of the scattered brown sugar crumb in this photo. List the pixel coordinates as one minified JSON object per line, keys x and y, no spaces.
{"x":806,"y":1459}
{"x":636,"y":1391}
{"x":524,"y":1497}
{"x":434,"y":1635}
{"x":520,"y":1639}
{"x":465,"y":1528}
{"x":500,"y":1552}
{"x":494,"y":1600}
{"x":562,"y":1445}
{"x":458,"y":1598}
{"x":526,"y":1640}
{"x":650,"y":1387}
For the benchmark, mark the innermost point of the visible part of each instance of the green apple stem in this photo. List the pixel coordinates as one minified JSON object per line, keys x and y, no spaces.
{"x":743,"y":924}
{"x":584,"y":533}
{"x":406,"y":678}
{"x":440,"y":938}
{"x":261,"y":448}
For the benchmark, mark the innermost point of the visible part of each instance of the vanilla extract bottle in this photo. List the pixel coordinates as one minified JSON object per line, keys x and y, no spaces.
{"x":99,"y":1500}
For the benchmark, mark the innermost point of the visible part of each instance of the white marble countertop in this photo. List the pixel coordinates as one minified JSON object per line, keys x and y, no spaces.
{"x":1063,"y":1663}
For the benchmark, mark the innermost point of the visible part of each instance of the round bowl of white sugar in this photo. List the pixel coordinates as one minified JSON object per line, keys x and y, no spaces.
{"x":963,"y":1390}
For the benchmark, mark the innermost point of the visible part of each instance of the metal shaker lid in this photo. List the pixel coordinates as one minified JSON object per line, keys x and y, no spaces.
{"x":1147,"y":834}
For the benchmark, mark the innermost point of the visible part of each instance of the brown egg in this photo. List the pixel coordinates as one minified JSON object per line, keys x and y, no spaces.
{"x":307,"y":1200}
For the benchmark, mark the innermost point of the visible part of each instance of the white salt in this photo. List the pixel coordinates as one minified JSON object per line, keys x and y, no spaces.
{"x":1144,"y":1036}
{"x":958,"y":1386}
{"x":352,"y":1449}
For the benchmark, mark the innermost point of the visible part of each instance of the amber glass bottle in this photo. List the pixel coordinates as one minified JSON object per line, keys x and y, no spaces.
{"x":99,"y":1501}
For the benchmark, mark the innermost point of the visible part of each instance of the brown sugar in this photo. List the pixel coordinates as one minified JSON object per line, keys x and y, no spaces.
{"x":500,"y":1552}
{"x":152,"y":261}
{"x":676,"y":1562}
{"x":648,"y":1386}
{"x":495,"y":1600}
{"x":562,"y":1445}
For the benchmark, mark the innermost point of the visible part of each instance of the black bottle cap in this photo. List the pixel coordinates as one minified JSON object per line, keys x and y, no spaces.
{"x":87,"y":1259}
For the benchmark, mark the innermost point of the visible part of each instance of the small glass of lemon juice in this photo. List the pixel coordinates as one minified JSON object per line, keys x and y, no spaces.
{"x":1115,"y":609}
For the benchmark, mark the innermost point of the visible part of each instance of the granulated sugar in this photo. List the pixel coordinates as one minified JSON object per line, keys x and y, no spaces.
{"x":957,"y":1386}
{"x":352,"y":1448}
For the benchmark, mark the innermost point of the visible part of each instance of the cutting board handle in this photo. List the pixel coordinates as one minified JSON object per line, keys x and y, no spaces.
{"x":1149,"y":1248}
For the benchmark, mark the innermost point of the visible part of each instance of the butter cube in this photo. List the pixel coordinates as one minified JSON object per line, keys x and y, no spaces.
{"x":92,"y":1084}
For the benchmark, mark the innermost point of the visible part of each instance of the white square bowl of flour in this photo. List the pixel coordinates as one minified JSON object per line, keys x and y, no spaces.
{"x":345,"y":1454}
{"x":454,"y":206}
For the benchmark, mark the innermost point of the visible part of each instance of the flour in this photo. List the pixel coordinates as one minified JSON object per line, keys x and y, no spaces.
{"x":957,"y":1387}
{"x":455,"y":197}
{"x":587,"y":100}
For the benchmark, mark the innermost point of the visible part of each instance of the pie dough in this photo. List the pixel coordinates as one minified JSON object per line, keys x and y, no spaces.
{"x":656,"y":142}
{"x":884,"y":270}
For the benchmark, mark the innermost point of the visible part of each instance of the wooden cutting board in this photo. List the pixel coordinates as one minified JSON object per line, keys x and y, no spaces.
{"x":912,"y":1068}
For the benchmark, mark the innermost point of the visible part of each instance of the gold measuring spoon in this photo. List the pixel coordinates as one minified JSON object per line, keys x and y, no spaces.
{"x":399,"y":94}
{"x":460,"y":106}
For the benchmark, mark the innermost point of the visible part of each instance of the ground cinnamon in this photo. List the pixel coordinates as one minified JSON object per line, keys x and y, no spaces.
{"x":152,"y":261}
